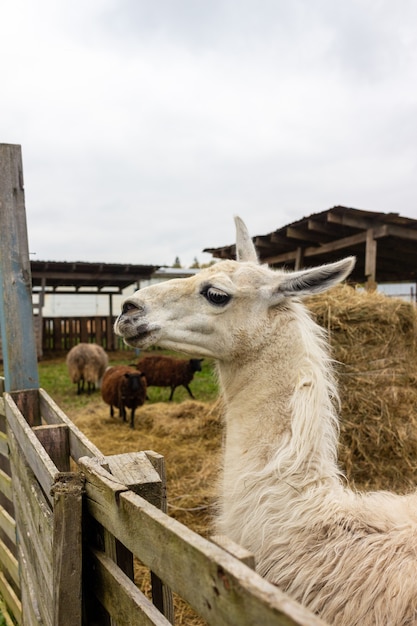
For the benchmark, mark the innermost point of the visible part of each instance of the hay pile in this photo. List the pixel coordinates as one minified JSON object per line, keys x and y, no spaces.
{"x":187,"y":434}
{"x":374,"y":340}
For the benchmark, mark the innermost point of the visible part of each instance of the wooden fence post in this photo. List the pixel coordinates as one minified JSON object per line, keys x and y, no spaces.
{"x":67,"y":549}
{"x":16,"y":311}
{"x":144,"y":474}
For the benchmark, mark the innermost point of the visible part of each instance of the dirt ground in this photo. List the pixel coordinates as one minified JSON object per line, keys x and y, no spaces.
{"x":187,"y":434}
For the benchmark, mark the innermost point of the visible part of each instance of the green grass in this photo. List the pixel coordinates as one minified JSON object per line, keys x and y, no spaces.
{"x":53,"y":377}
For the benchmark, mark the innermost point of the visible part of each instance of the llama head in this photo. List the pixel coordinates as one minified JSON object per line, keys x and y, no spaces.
{"x":223,"y":310}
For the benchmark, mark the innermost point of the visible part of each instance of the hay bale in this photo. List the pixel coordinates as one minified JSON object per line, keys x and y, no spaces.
{"x":373,"y":339}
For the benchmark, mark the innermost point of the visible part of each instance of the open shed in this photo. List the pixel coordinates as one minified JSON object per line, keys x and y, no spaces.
{"x":73,"y":280}
{"x":385,"y":244}
{"x":107,"y":279}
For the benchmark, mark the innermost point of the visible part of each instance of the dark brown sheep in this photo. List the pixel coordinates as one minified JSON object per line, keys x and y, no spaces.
{"x":165,"y":371}
{"x":123,"y":387}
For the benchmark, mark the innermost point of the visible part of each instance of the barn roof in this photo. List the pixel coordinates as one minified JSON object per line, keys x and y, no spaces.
{"x":385,"y":244}
{"x":70,"y":277}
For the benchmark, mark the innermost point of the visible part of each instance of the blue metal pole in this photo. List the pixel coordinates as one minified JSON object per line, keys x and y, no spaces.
{"x":16,"y":311}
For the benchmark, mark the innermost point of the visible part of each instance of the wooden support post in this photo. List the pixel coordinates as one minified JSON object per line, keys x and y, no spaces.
{"x":109,"y":327}
{"x":370,"y":260}
{"x":144,"y":474}
{"x":161,"y":594}
{"x":67,"y":494}
{"x":299,"y":259}
{"x":16,"y":313}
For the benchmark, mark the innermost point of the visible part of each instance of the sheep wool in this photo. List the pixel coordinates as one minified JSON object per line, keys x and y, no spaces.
{"x":166,"y":371}
{"x":86,"y":363}
{"x":123,"y":387}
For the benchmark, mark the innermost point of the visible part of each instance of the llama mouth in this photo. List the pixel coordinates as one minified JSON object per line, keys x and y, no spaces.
{"x":144,"y":335}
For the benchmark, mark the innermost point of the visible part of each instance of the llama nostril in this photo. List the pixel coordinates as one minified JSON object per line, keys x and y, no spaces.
{"x":129,"y":307}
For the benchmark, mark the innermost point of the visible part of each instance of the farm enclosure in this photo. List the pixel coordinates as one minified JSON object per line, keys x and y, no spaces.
{"x":46,"y":447}
{"x":72,"y":519}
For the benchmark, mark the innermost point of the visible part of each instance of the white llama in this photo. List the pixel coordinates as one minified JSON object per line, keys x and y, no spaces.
{"x":349,"y":557}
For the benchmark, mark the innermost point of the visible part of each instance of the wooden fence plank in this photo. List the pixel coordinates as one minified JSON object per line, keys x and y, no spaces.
{"x":34,"y":583}
{"x":7,"y":524}
{"x":31,"y":602}
{"x":244,"y":556}
{"x":35,"y":522}
{"x":4,"y":447}
{"x":11,"y":599}
{"x":220,"y":588}
{"x":6,"y":485}
{"x":36,"y":456}
{"x":27,"y":402}
{"x":27,"y":491}
{"x":67,"y":550}
{"x":134,"y":470}
{"x":9,"y":564}
{"x":78,"y":442}
{"x":121,"y":596}
{"x":55,"y":439}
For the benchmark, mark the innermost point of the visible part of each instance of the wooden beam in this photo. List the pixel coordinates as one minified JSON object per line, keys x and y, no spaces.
{"x":262,"y":242}
{"x":16,"y":314}
{"x":323,"y":227}
{"x":391,"y":230}
{"x":352,"y":221}
{"x":276,"y":238}
{"x":312,"y":251}
{"x":304,"y":235}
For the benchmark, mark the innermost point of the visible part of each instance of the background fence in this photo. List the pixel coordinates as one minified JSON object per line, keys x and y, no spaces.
{"x":62,"y":333}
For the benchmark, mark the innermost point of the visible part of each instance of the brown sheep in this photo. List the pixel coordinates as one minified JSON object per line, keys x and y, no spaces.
{"x":122,"y":387}
{"x":165,"y":371}
{"x":86,"y":363}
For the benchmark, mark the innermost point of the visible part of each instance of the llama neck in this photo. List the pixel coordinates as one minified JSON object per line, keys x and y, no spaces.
{"x":279,"y":415}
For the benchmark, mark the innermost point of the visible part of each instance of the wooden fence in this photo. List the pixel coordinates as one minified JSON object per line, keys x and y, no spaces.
{"x":72,"y":521}
{"x":62,"y":333}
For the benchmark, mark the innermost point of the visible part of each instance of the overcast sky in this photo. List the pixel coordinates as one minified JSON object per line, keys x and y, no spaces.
{"x":146,"y":125}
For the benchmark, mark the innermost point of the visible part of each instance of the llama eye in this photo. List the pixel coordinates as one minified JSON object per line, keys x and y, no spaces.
{"x":215,"y":296}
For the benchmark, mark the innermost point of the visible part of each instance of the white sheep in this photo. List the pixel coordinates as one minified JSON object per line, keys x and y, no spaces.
{"x":86,"y":363}
{"x":350,"y":557}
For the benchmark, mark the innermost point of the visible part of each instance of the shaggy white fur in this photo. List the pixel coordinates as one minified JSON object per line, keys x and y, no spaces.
{"x":351,"y":558}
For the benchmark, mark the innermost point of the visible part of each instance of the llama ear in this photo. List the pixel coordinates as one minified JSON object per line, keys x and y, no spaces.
{"x":245,"y":250}
{"x":316,"y":279}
